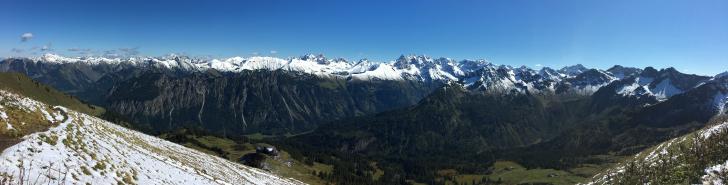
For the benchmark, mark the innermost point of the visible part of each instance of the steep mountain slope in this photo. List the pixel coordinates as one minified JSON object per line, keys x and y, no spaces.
{"x":585,"y":83}
{"x":699,"y":157}
{"x":451,"y":128}
{"x":78,"y":148}
{"x":698,"y":104}
{"x":644,"y":87}
{"x":271,"y":102}
{"x":89,"y":79}
{"x":455,"y":128}
{"x":623,"y":93}
{"x":661,"y":84}
{"x":624,"y":130}
{"x":572,"y":71}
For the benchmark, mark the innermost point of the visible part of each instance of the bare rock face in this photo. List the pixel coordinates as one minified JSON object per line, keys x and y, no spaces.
{"x":272,"y":102}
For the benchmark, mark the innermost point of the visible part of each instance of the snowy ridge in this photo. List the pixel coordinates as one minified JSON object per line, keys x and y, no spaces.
{"x":472,"y":74}
{"x":84,"y":149}
{"x":652,"y":158}
{"x":409,"y":67}
{"x":572,"y":71}
{"x":720,"y":99}
{"x":666,"y":89}
{"x":635,"y":90}
{"x":721,"y":75}
{"x":658,"y":84}
{"x":636,"y":87}
{"x":493,"y":78}
{"x":621,"y":72}
{"x":589,"y":81}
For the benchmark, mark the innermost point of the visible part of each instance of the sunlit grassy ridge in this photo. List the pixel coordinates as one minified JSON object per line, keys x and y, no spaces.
{"x":21,"y":116}
{"x":21,"y":84}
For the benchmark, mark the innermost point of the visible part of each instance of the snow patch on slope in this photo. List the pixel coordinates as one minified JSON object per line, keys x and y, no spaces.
{"x":715,"y":174}
{"x":720,"y":101}
{"x":665,"y":89}
{"x":379,"y":71}
{"x":84,"y":149}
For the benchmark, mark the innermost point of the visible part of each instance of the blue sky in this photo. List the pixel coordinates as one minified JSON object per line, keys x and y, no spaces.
{"x":691,"y":35}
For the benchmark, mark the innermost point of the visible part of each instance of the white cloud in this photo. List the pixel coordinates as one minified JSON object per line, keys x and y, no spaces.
{"x":273,"y":52}
{"x":119,"y":52}
{"x":26,"y":36}
{"x":129,"y":51}
{"x":46,"y":47}
{"x":107,"y":53}
{"x":87,"y":52}
{"x":538,"y":65}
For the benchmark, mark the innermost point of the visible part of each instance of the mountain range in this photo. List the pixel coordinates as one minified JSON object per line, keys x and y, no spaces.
{"x":302,"y":92}
{"x":409,"y":119}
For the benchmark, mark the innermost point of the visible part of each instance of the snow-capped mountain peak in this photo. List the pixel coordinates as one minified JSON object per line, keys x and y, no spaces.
{"x":406,"y":67}
{"x":621,"y":72}
{"x":550,"y":74}
{"x":410,"y":61}
{"x":49,"y":57}
{"x":660,"y":84}
{"x":473,"y":74}
{"x":320,"y":58}
{"x":572,"y":71}
{"x":589,"y":81}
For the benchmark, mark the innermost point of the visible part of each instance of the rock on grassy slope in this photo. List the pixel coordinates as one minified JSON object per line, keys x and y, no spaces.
{"x":699,"y":157}
{"x":79,"y":149}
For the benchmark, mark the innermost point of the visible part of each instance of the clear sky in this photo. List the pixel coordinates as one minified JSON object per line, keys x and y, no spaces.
{"x":691,"y":35}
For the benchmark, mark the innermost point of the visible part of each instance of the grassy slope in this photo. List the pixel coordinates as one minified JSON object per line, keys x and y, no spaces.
{"x":21,"y":84}
{"x":513,"y":173}
{"x":678,"y":160}
{"x":26,"y":122}
{"x":19,"y":122}
{"x":509,"y":172}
